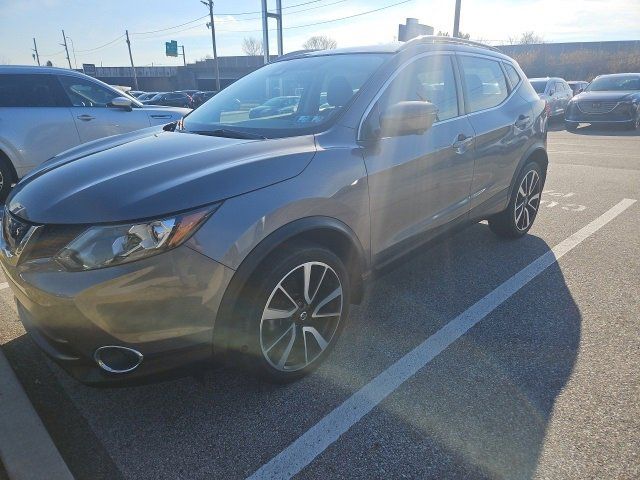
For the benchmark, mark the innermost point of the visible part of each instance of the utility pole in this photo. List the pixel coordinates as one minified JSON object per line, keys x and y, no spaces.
{"x":209,"y":3}
{"x":265,"y":28}
{"x":184,"y":58}
{"x":35,"y":49}
{"x":135,"y":77}
{"x":456,"y":20}
{"x":66,"y":49}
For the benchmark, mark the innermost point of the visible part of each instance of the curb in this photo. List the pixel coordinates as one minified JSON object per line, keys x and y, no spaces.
{"x":26,"y":449}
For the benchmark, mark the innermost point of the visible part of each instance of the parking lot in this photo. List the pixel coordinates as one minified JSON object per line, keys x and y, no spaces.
{"x":535,"y":375}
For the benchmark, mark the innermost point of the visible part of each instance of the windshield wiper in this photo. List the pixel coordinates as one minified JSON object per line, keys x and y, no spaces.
{"x":225,"y":132}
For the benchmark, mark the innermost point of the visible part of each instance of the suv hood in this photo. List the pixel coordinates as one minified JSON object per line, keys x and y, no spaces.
{"x":151,"y":173}
{"x":606,"y":96}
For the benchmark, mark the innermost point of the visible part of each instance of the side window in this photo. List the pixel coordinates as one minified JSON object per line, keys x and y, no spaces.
{"x":485,"y":84}
{"x":512,"y":74}
{"x":30,"y":91}
{"x":427,"y":79}
{"x":84,"y":93}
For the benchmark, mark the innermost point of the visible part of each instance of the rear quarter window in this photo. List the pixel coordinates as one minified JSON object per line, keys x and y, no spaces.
{"x":35,"y":90}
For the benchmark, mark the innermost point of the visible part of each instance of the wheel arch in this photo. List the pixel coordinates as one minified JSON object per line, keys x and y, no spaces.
{"x":5,"y":157}
{"x":324,"y":231}
{"x":536,"y":153}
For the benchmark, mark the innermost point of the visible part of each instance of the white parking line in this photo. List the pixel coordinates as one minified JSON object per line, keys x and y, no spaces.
{"x":314,"y":441}
{"x":4,"y":285}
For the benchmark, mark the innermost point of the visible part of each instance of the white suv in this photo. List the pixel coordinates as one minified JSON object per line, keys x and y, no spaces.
{"x":45,"y":110}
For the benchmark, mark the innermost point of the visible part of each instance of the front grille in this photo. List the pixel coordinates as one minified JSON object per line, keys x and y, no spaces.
{"x":595,"y":107}
{"x":13,"y":230}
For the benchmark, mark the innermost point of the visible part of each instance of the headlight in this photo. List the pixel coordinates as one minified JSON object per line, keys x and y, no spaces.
{"x":108,"y":245}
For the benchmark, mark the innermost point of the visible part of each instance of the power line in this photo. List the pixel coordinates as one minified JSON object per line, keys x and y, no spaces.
{"x":170,"y":28}
{"x":101,"y":46}
{"x":326,"y":21}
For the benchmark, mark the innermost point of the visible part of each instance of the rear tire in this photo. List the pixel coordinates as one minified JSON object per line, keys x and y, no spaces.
{"x":6,"y":178}
{"x":285,"y":333}
{"x":523,"y":206}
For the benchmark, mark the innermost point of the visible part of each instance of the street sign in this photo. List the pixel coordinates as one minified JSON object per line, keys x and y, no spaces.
{"x":89,"y":69}
{"x":171,"y":48}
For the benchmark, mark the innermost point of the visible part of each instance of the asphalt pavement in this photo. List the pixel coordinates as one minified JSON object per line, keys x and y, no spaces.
{"x":544,"y":385}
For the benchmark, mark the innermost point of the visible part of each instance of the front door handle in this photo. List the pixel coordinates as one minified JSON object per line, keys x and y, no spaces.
{"x":461,"y":143}
{"x":522,"y":122}
{"x":85,"y":117}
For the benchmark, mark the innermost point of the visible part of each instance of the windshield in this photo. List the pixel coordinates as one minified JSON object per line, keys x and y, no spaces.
{"x":614,"y":84}
{"x":287,"y":98}
{"x":539,"y":85}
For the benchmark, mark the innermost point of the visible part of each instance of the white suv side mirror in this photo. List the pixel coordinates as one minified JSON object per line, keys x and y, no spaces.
{"x":121,"y":102}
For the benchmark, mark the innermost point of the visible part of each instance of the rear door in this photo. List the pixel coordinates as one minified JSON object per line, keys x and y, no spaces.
{"x":92,"y":113}
{"x":502,"y":121}
{"x":418,"y":182}
{"x":35,"y":123}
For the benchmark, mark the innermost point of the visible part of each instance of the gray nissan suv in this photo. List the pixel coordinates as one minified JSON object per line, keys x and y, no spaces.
{"x":251,"y":237}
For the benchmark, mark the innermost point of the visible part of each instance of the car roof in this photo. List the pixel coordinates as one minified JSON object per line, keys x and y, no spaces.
{"x":36,"y":69}
{"x":546,"y":79}
{"x":425,"y":42}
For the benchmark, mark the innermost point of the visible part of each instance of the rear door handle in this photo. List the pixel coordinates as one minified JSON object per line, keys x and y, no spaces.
{"x":85,"y":117}
{"x":461,"y":143}
{"x":522,"y":121}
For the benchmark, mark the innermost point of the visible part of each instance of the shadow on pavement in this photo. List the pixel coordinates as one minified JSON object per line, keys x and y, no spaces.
{"x":479,"y":410}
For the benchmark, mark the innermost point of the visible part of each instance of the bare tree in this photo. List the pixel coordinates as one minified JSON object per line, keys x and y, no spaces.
{"x":320,"y":42}
{"x":466,"y":36}
{"x":527,"y":38}
{"x":252,"y":46}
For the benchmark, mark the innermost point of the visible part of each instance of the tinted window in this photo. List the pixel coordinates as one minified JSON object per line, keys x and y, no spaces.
{"x":485,"y":84}
{"x":539,"y":85}
{"x":30,"y":91}
{"x":84,"y":93}
{"x":512,"y":74}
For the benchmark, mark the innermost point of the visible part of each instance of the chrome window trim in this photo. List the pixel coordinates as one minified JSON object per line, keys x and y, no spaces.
{"x":396,"y":72}
{"x":495,"y":59}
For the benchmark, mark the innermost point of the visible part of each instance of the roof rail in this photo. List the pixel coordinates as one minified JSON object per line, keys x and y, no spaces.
{"x":434,"y":39}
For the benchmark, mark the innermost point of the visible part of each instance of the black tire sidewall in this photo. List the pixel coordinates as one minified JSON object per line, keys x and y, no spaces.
{"x":254,"y":297}
{"x":7,"y":177}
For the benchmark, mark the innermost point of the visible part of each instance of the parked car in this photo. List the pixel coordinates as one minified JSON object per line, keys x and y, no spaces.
{"x":608,"y":100}
{"x":200,"y":97}
{"x":170,"y":99}
{"x":577,"y":86}
{"x":147,"y":96}
{"x":555,"y":91}
{"x":253,"y":236}
{"x":45,"y":110}
{"x":275,"y":106}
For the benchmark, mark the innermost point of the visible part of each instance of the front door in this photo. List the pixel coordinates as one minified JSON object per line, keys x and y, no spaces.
{"x":92,"y":113}
{"x":421,"y":181}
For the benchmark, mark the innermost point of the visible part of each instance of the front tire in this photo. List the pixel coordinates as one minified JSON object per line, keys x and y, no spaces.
{"x":292,"y":312}
{"x":523,"y":206}
{"x":6,"y":178}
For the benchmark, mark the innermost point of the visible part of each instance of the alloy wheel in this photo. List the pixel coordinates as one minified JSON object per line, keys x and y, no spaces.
{"x":301,"y":316}
{"x":527,"y":200}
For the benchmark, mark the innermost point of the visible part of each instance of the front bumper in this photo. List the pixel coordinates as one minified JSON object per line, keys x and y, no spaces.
{"x":622,"y":114}
{"x":162,"y":306}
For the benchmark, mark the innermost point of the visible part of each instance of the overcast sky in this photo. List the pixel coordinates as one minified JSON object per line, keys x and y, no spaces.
{"x":93,"y":23}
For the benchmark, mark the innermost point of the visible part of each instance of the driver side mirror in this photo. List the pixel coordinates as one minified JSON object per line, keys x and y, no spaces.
{"x":121,"y":102}
{"x":407,"y":118}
